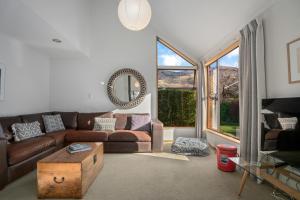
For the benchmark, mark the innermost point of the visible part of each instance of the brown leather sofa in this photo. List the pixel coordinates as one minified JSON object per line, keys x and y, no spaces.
{"x":19,"y":158}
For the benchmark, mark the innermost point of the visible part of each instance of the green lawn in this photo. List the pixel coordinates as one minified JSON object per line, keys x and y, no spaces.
{"x":229,"y":128}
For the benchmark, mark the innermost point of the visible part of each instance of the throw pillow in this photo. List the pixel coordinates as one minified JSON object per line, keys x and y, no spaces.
{"x":22,"y":131}
{"x":141,"y":122}
{"x":53,"y":123}
{"x":288,"y":123}
{"x":104,"y":124}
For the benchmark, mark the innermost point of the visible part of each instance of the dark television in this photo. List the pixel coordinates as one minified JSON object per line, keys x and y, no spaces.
{"x":288,"y":106}
{"x":275,"y":137}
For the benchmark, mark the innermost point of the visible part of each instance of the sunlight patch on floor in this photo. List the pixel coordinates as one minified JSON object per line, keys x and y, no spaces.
{"x":166,"y":155}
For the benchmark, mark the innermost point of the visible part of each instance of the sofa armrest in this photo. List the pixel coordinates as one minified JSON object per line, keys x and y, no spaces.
{"x":157,"y":136}
{"x":3,"y":163}
{"x":3,"y":159}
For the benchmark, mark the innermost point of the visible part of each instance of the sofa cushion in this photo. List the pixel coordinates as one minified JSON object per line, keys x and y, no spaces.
{"x":69,"y":119}
{"x":59,"y":137}
{"x":19,"y":151}
{"x":86,"y":136}
{"x":6,"y":123}
{"x":104,"y":124}
{"x":129,"y":136}
{"x":34,"y":117}
{"x":123,"y":121}
{"x":23,"y":131}
{"x":53,"y":123}
{"x":85,"y":121}
{"x":272,"y":134}
{"x":141,"y":122}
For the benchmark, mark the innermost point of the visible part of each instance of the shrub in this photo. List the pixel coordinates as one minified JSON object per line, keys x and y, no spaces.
{"x":229,"y":111}
{"x":177,"y":107}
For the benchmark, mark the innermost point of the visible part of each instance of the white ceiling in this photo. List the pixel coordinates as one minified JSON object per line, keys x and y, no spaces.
{"x":19,"y":21}
{"x":202,"y":26}
{"x":197,"y":27}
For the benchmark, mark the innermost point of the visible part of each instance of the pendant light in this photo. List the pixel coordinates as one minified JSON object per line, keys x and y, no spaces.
{"x":135,"y":15}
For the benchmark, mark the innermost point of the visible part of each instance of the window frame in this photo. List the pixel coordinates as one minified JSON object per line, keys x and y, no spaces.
{"x":168,"y":45}
{"x":160,"y":67}
{"x":207,"y":64}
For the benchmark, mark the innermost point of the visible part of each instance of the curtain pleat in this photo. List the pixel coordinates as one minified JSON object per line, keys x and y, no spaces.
{"x":200,"y":93}
{"x":251,"y":85}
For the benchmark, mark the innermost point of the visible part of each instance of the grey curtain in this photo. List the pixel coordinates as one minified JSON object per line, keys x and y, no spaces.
{"x":200,"y":94}
{"x":252,"y":88}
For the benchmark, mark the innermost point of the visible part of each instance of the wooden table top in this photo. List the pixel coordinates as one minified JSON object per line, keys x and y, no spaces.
{"x":63,"y":156}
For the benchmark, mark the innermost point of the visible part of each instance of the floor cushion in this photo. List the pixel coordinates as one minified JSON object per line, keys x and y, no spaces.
{"x":25,"y":149}
{"x":129,"y":136}
{"x":86,"y":136}
{"x":190,"y":146}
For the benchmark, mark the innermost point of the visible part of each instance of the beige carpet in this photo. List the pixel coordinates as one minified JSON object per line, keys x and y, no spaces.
{"x":155,"y":176}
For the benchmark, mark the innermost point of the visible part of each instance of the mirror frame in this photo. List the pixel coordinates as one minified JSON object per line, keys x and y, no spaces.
{"x":122,"y":104}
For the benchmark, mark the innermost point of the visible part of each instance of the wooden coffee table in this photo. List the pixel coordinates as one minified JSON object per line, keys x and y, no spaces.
{"x":65,"y":175}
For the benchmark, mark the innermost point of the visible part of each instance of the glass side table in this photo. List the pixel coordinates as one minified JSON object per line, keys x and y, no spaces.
{"x":268,"y":169}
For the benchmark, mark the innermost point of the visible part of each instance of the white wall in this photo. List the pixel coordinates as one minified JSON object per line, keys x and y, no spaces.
{"x":76,"y":84}
{"x":282,"y":25}
{"x":26,"y":81}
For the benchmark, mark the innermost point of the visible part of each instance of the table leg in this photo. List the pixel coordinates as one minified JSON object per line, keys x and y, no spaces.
{"x":244,"y":178}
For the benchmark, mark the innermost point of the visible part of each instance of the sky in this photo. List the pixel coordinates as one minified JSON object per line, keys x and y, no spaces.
{"x":167,"y":57}
{"x":231,"y":59}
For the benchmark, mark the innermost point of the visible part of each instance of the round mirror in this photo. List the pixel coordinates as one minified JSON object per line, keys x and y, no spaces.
{"x":126,"y":88}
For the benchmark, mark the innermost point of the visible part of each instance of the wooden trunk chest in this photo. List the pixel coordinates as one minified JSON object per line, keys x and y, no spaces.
{"x":65,"y":175}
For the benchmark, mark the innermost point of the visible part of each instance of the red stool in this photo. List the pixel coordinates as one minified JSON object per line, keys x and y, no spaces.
{"x":224,"y":152}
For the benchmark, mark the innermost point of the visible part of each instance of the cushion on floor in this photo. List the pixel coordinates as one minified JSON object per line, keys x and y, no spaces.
{"x":190,"y":146}
{"x":25,"y":149}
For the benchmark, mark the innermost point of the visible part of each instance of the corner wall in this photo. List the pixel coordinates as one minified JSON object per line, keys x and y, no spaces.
{"x":26,"y":80}
{"x":282,"y":25}
{"x":75,"y":84}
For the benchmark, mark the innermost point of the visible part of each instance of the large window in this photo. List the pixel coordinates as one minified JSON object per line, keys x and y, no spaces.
{"x":223,"y":92}
{"x":176,"y":87}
